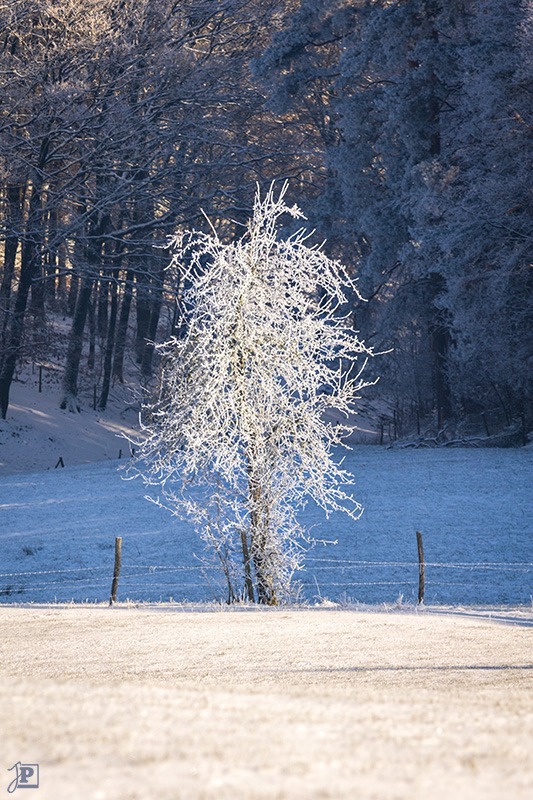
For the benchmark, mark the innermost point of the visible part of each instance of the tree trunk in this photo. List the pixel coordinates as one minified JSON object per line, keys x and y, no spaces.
{"x":17,"y":327}
{"x":97,"y":226}
{"x":439,"y":337}
{"x":61,"y":274}
{"x":122,"y":331}
{"x":13,"y":223}
{"x":259,"y":528}
{"x":52,"y":262}
{"x":75,"y":345}
{"x":143,"y":307}
{"x":91,"y":358}
{"x":79,"y":261}
{"x":73,"y":290}
{"x":103,"y":297}
{"x":148,"y":354}
{"x":108,"y":356}
{"x":38,"y":280}
{"x":248,"y":582}
{"x":14,"y":341}
{"x":438,"y":328}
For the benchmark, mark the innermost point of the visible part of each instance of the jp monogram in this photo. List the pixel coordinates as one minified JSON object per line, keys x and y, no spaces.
{"x":26,"y":777}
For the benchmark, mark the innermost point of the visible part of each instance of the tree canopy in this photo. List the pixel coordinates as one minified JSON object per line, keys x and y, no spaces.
{"x":405,"y":131}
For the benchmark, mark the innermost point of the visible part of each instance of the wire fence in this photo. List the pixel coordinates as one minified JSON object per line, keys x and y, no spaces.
{"x":349,"y":580}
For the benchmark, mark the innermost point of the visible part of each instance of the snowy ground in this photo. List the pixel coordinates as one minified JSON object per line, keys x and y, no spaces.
{"x":157,"y":701}
{"x":57,"y":527}
{"x":135,"y":703}
{"x":37,"y":432}
{"x":57,"y":531}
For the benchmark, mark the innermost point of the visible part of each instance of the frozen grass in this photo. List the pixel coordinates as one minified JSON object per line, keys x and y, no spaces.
{"x":161,"y":701}
{"x":131,"y":703}
{"x":57,"y":530}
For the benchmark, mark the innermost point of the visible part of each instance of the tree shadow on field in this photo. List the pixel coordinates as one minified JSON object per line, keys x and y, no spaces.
{"x":488,"y":616}
{"x":405,"y":668}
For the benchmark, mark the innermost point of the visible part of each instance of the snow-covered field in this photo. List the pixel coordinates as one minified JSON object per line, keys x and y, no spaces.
{"x":129,"y":704}
{"x":57,"y":531}
{"x":162,"y":702}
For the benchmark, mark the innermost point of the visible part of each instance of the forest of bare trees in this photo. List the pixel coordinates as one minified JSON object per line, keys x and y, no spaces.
{"x":404,"y":129}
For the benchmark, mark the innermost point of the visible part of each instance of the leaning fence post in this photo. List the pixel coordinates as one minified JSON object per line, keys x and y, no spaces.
{"x":116,"y":570}
{"x":421,"y":568}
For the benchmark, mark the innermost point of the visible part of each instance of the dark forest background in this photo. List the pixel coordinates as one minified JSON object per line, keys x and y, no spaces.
{"x":404,"y":129}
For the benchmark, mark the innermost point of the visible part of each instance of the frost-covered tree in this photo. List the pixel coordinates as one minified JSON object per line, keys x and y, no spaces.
{"x":427,"y":104}
{"x":390,"y":74}
{"x":481,"y":193}
{"x":240,"y":436}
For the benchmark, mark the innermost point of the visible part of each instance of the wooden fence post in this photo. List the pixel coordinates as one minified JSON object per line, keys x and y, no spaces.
{"x":116,"y":570}
{"x":421,"y":568}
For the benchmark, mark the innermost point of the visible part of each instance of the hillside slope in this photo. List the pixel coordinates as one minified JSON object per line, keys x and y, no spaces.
{"x":37,"y":433}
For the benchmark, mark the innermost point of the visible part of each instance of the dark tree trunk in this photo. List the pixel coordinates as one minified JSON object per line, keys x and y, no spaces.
{"x":73,"y":290}
{"x":17,"y":327}
{"x":37,"y":308}
{"x":79,"y":262}
{"x":61,"y":274}
{"x":158,"y":280}
{"x":91,"y":358}
{"x":75,"y":345}
{"x":29,"y":256}
{"x":103,"y":298}
{"x":247,"y":562}
{"x":148,"y":354}
{"x":122,"y":331}
{"x":266,"y":590}
{"x":51,"y":259}
{"x":38,"y":280}
{"x":143,"y":307}
{"x":439,"y":336}
{"x":108,"y":355}
{"x":13,"y":222}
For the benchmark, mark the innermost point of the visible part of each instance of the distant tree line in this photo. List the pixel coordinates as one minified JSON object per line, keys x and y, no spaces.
{"x":404,"y":128}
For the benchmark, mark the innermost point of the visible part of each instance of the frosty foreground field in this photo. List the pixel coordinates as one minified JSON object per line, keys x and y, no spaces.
{"x":128,"y":703}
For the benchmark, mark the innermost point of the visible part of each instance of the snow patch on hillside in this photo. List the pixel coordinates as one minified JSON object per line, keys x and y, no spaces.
{"x":37,"y":433}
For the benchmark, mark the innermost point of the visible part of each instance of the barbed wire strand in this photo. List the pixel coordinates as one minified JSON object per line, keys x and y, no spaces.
{"x":491,"y":566}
